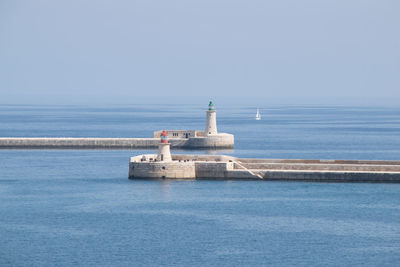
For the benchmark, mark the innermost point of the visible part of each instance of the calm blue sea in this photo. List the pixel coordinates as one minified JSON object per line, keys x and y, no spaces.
{"x":78,"y":208}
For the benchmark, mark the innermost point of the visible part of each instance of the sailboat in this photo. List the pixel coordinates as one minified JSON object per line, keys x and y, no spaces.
{"x":258,"y":115}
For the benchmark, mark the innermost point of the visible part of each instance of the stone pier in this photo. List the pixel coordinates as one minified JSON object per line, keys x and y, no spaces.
{"x":85,"y":143}
{"x":231,"y":168}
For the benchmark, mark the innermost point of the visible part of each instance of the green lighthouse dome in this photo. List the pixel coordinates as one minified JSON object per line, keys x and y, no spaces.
{"x":211,"y":106}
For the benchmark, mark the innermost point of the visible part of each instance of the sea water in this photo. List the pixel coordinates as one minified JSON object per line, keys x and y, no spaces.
{"x":78,"y":208}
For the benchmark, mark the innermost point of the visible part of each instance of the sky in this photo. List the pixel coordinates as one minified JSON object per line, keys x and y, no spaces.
{"x":281,"y":51}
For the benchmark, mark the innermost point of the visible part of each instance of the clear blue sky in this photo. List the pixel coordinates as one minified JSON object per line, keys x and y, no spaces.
{"x":311,"y":51}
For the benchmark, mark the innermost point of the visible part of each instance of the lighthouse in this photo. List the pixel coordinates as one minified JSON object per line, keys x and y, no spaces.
{"x":164,"y":153}
{"x":207,"y":138}
{"x":211,"y":120}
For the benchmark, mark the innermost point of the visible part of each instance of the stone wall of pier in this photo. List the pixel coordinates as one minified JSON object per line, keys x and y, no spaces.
{"x":83,"y":143}
{"x":218,"y":167}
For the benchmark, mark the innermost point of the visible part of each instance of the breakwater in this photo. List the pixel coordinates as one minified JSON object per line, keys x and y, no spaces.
{"x":190,"y":139}
{"x":231,"y":168}
{"x":317,"y":170}
{"x":221,"y":141}
{"x":85,"y":143}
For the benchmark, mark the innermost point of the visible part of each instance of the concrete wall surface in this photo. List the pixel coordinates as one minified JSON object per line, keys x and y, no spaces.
{"x":217,"y":170}
{"x":162,"y":170}
{"x":321,"y":167}
{"x":324,"y":161}
{"x":87,"y":142}
{"x":332,"y":176}
{"x":221,"y":140}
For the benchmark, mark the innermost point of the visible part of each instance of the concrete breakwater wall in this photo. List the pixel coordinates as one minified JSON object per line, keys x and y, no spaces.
{"x":84,"y":143}
{"x":316,"y":170}
{"x":231,"y":168}
{"x":219,"y":142}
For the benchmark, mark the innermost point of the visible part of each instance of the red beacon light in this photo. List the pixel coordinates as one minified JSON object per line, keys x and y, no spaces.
{"x":164,"y":137}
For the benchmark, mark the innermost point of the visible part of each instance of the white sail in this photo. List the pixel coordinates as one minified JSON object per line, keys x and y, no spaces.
{"x":258,"y":115}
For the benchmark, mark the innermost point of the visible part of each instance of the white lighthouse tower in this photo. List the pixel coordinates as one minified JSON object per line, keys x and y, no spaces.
{"x":164,"y":153}
{"x":211,"y":120}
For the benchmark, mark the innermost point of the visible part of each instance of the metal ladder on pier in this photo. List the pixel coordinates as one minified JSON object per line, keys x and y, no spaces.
{"x":251,"y":172}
